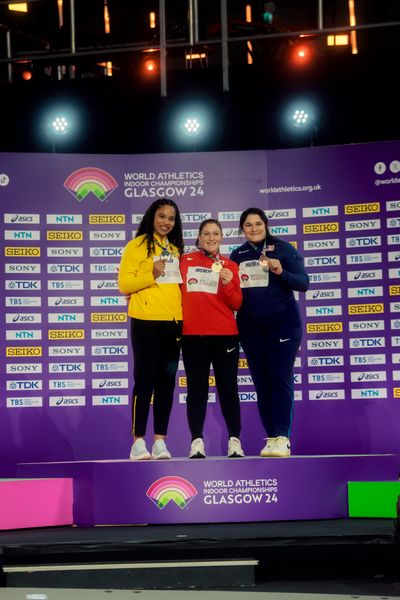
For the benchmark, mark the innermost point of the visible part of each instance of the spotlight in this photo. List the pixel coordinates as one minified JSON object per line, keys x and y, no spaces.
{"x":150,"y":66}
{"x":192,"y":126}
{"x":60,"y":125}
{"x":300,"y":118}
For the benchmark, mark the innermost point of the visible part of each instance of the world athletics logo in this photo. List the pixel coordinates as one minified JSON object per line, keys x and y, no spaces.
{"x":90,"y":180}
{"x":177,"y":489}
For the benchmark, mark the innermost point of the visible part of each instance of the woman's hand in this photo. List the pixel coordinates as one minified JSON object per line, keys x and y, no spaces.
{"x":158,"y":268}
{"x":275,"y":266}
{"x":226,"y":276}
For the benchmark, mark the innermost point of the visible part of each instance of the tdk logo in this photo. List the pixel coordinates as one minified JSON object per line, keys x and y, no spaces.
{"x":376,"y":342}
{"x":325,"y":361}
{"x":317,"y":261}
{"x":22,"y":284}
{"x":364,"y":241}
{"x":247,"y":396}
{"x":67,"y":367}
{"x":196,"y":217}
{"x":99,"y":252}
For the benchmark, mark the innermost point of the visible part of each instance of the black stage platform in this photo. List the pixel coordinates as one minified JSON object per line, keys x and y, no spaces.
{"x":360,"y":555}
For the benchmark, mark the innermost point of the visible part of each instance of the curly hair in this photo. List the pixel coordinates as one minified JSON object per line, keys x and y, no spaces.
{"x":146,"y":226}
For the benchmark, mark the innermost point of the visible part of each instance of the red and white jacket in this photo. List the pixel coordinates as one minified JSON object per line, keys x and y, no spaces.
{"x":205,"y":313}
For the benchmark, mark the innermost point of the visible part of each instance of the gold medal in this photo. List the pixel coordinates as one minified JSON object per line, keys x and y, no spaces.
{"x":216,"y":267}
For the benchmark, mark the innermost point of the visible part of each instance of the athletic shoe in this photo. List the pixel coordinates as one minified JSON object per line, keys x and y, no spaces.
{"x":268,"y":448}
{"x":279,"y":447}
{"x":234,"y":448}
{"x":160,"y":450}
{"x":197,"y":449}
{"x":139,"y":450}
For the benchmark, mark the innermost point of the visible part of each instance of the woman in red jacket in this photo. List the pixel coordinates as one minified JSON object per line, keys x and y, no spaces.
{"x":210,"y":295}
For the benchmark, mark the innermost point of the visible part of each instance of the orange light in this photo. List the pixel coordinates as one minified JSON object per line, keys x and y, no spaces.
{"x":26,"y":75}
{"x":107,"y":27}
{"x":150,"y":66}
{"x":152,"y":20}
{"x":301,"y":55}
{"x":19,"y":7}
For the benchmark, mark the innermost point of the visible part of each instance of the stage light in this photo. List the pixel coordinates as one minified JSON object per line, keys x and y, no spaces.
{"x":150,"y":66}
{"x":192,"y":126}
{"x":301,"y":54}
{"x":26,"y":75}
{"x":60,"y":125}
{"x":300,"y":118}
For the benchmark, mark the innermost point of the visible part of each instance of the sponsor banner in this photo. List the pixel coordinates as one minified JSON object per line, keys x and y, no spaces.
{"x":357,"y":259}
{"x":323,"y":311}
{"x":364,"y":224}
{"x":23,"y":368}
{"x":396,"y":358}
{"x":110,"y":383}
{"x":321,"y":211}
{"x":109,"y":317}
{"x":333,"y":327}
{"x":321,"y":227}
{"x":325,"y":344}
{"x":108,"y":333}
{"x":21,"y":251}
{"x":364,"y":291}
{"x":62,"y":252}
{"x":66,"y":351}
{"x":104,"y":267}
{"x":198,"y":217}
{"x":392,"y":222}
{"x":362,"y":242}
{"x":105,"y":252}
{"x":23,"y":285}
{"x":365,"y":309}
{"x":326,"y":395}
{"x":65,"y":301}
{"x":394,"y":290}
{"x":392,"y":205}
{"x":334,"y":294}
{"x":20,"y":334}
{"x":22,"y":219}
{"x":107,"y":301}
{"x":212,"y":398}
{"x":367,"y":275}
{"x":393,"y":240}
{"x":67,"y":367}
{"x":24,"y":385}
{"x":370,"y":207}
{"x":325,"y":361}
{"x":22,"y":318}
{"x":109,"y":367}
{"x":103,"y":284}
{"x":280,"y":213}
{"x":366,"y":325}
{"x":322,"y":261}
{"x":394,"y":273}
{"x":369,"y":393}
{"x":121,"y":350}
{"x":65,"y":269}
{"x":393,"y":256}
{"x":318,"y":378}
{"x":396,"y":375}
{"x":297,"y":395}
{"x":110,"y":400}
{"x":395,"y":340}
{"x":395,"y":307}
{"x":367,"y":342}
{"x":64,"y":236}
{"x":33,"y":351}
{"x":368,"y":359}
{"x":107,"y":235}
{"x":331,"y":244}
{"x":283,"y":229}
{"x":66,"y":334}
{"x":107,"y":219}
{"x":67,"y":384}
{"x":18,"y":302}
{"x":368,"y":376}
{"x":22,"y":268}
{"x":67,"y":401}
{"x":30,"y":402}
{"x":64,"y":219}
{"x":64,"y":284}
{"x":66,"y":318}
{"x":395,"y":323}
{"x":334,"y":277}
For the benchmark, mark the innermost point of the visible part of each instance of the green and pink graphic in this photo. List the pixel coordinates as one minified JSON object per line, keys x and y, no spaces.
{"x":90,"y":180}
{"x":177,"y":489}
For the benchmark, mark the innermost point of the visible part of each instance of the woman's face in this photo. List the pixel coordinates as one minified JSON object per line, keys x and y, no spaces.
{"x":210,"y":238}
{"x":254,"y":229}
{"x":164,"y":220}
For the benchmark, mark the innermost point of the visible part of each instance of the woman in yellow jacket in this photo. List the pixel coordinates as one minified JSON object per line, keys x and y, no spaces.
{"x":149,"y":274}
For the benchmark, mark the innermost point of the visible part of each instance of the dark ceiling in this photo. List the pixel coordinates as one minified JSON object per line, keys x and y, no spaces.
{"x":356,"y":94}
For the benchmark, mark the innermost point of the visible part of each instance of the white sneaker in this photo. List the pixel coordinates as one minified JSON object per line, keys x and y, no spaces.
{"x":139,"y":450}
{"x":268,"y":448}
{"x":280,"y":447}
{"x":160,"y":450}
{"x":197,"y":449}
{"x":235,"y":449}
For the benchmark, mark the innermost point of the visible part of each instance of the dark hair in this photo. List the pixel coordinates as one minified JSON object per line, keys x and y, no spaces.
{"x":146,"y":226}
{"x":254,"y":211}
{"x":207,"y":222}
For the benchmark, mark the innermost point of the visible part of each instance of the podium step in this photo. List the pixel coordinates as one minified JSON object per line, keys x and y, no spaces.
{"x":35,"y":502}
{"x":373,"y":498}
{"x":214,"y":490}
{"x":200,"y":574}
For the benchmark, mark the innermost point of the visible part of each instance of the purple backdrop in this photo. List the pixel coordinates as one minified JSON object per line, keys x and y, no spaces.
{"x":66,"y":368}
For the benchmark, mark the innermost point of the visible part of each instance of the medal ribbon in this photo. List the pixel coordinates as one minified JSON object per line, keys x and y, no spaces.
{"x":165,"y":249}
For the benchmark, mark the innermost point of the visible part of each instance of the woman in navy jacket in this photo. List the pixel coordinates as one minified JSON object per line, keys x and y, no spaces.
{"x":269,"y":323}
